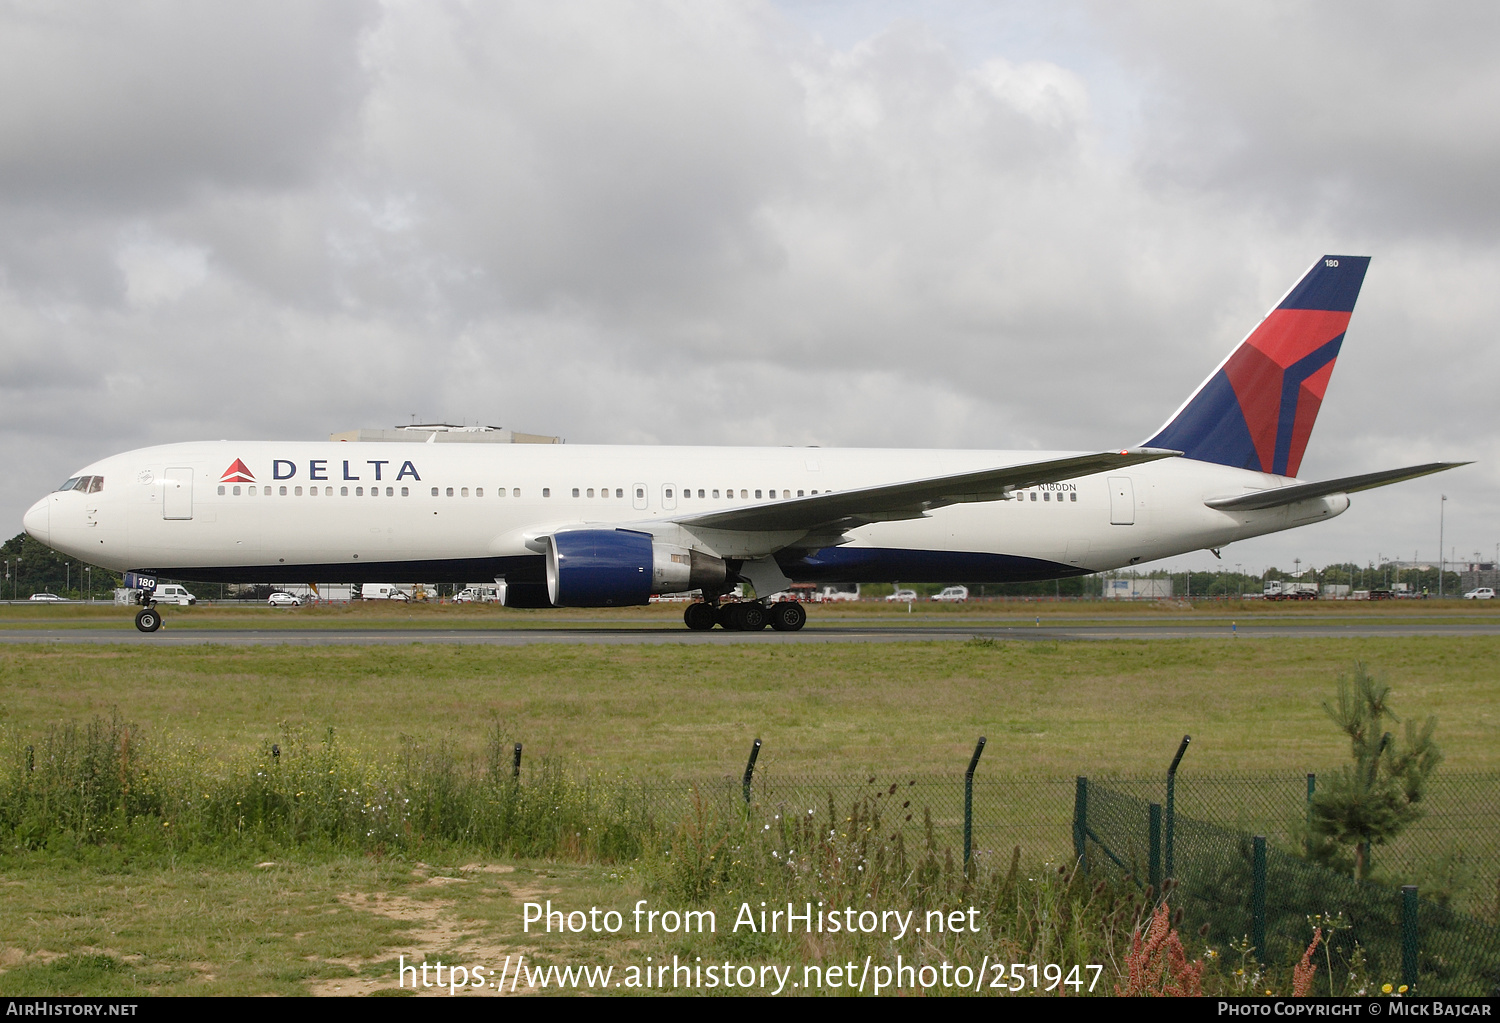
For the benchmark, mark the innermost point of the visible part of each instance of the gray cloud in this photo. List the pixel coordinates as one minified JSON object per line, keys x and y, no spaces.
{"x":703,"y":224}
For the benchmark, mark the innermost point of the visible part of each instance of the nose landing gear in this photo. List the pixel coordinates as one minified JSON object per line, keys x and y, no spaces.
{"x":148,"y":619}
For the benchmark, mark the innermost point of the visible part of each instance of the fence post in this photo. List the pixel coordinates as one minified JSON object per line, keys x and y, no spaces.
{"x":1081,"y":823}
{"x":1312,"y":788}
{"x":1258,"y":899}
{"x":515,"y":762}
{"x":1154,"y":870}
{"x":1409,"y":937}
{"x":969,"y":803}
{"x":1172,"y":806}
{"x":750,"y":769}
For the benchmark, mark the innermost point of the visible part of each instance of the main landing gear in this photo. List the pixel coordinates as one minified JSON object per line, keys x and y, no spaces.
{"x":745,"y":616}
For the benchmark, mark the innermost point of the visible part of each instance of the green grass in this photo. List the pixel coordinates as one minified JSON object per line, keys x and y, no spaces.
{"x":118,"y":912}
{"x":691,"y":711}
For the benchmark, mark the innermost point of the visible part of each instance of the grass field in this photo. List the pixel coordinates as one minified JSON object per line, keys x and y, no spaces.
{"x":1049,"y":708}
{"x":96,"y":919}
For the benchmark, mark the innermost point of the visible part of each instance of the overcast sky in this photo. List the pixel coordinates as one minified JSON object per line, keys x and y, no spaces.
{"x":959,"y":224}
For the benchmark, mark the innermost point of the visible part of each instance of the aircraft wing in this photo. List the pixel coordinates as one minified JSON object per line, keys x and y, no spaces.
{"x":1278,"y":496}
{"x":839,"y":510}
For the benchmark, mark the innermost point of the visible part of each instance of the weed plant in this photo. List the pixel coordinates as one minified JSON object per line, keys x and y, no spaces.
{"x":76,"y":790}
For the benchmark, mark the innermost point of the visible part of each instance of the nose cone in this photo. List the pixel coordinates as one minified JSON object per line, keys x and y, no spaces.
{"x":36,"y":522}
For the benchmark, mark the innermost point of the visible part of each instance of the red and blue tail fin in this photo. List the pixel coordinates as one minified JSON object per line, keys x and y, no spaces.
{"x":1256,"y":411}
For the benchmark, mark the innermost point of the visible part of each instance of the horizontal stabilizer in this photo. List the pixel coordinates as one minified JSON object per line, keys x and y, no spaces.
{"x":846,"y":509}
{"x":1279,"y":496}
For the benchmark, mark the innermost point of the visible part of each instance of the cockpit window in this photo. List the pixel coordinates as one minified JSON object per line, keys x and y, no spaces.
{"x":96,"y":484}
{"x":70,"y":484}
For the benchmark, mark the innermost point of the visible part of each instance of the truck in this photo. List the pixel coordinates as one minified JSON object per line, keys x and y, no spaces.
{"x":1289,"y":589}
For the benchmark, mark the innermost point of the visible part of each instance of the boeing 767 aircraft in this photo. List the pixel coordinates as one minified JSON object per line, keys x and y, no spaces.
{"x":597,"y":526}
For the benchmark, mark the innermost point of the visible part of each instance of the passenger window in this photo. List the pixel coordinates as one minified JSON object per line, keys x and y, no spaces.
{"x":283,"y":491}
{"x":296,"y":491}
{"x":236,"y":491}
{"x":1046,"y":496}
{"x":221,"y":491}
{"x":252,"y":491}
{"x":716,"y":495}
{"x":434,"y":491}
{"x":464,"y":492}
{"x":801,"y":494}
{"x":546,"y":491}
{"x":744,"y":493}
{"x":669,"y":494}
{"x":450,"y":491}
{"x":590,"y":492}
{"x":786,"y":493}
{"x":405,"y":492}
{"x":391,"y":492}
{"x":1073,"y":497}
{"x":1033,"y":495}
{"x":640,"y":493}
{"x":343,"y":491}
{"x":478,"y":491}
{"x":619,"y":491}
{"x":516,"y":492}
{"x":757,"y":493}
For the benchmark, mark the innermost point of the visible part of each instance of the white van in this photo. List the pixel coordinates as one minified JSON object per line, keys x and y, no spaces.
{"x":382,"y":591}
{"x":171,"y":593}
{"x":477,"y":593}
{"x":954,"y":594}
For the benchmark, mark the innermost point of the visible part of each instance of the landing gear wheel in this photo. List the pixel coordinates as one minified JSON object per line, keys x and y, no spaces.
{"x":727,"y":616}
{"x":147,"y":619}
{"x":700,"y":617}
{"x":787,"y":616}
{"x":752,"y":617}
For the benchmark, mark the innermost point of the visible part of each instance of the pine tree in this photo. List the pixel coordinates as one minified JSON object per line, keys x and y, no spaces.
{"x":1374,"y":798}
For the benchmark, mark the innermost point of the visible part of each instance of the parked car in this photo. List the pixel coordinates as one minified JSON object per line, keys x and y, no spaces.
{"x":956,"y":594}
{"x":171,"y":593}
{"x":1483,"y":593}
{"x":48,"y":598}
{"x":906,"y":595}
{"x":279,"y":599}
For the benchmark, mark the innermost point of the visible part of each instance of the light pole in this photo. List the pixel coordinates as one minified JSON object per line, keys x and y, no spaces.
{"x":1442,"y":562}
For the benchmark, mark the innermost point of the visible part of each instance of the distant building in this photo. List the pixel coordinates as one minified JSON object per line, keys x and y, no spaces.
{"x":445,"y":433}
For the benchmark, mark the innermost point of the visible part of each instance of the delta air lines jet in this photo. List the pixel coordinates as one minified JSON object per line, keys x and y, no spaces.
{"x":585,"y":526}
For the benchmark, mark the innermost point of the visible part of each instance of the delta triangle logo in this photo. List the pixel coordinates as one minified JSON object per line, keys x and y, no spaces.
{"x":237,"y":473}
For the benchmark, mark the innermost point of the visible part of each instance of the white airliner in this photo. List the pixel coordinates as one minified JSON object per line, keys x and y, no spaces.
{"x":585,"y":526}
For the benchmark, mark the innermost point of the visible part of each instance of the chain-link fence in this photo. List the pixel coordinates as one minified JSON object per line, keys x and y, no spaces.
{"x":1237,"y":884}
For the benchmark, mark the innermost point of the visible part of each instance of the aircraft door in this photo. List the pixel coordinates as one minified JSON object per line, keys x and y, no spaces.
{"x":668,"y":496}
{"x":638,"y":496}
{"x":177,"y":493}
{"x":1121,"y":501}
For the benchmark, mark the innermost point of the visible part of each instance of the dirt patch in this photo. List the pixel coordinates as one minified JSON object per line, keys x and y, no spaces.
{"x":434,"y":934}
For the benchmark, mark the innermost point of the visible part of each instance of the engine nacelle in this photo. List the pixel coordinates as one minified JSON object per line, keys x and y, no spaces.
{"x":618,"y":567}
